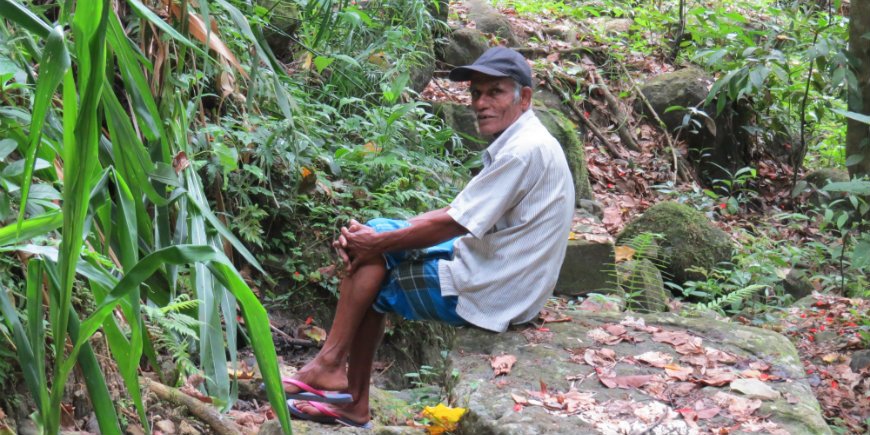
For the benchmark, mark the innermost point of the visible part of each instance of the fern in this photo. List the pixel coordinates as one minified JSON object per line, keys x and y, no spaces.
{"x":734,"y":298}
{"x":175,"y":333}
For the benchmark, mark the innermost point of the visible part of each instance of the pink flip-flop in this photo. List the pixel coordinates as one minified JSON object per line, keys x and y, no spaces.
{"x":327,"y":416}
{"x":312,"y":394}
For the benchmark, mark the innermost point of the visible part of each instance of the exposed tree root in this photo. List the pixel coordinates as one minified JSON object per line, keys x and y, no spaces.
{"x":623,"y":128}
{"x":203,"y":411}
{"x":614,"y":150}
{"x":681,"y":167}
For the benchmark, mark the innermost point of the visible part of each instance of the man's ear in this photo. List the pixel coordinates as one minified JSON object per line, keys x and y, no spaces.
{"x":526,"y":97}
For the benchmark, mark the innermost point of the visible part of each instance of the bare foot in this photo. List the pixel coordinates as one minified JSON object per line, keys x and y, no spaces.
{"x":353,"y":412}
{"x":321,"y":376}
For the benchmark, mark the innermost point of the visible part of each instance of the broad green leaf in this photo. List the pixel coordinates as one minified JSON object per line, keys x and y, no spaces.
{"x":26,"y":358}
{"x":321,"y":62}
{"x":855,"y":187}
{"x":21,"y":15}
{"x":52,"y":67}
{"x":31,"y":228}
{"x":861,"y":254}
{"x":854,"y":159}
{"x":225,"y":233}
{"x":130,"y":156}
{"x":98,"y":391}
{"x":853,"y":115}
{"x":80,"y":162}
{"x":129,"y":64}
{"x":256,"y":318}
{"x":6,"y":147}
{"x":149,"y":15}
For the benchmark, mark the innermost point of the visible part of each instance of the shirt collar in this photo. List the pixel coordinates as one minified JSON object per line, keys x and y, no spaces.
{"x":493,"y":149}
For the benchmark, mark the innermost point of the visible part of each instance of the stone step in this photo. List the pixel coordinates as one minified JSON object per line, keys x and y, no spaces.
{"x":588,"y":268}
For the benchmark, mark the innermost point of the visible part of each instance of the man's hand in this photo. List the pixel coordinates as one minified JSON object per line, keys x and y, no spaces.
{"x":356,"y":245}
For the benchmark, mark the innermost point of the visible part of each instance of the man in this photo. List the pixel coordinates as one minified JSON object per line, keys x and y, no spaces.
{"x":490,"y":259}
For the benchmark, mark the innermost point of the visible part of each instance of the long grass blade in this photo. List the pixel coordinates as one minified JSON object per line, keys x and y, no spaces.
{"x":26,"y":358}
{"x":22,"y":16}
{"x":149,"y":15}
{"x":256,"y":318}
{"x":98,"y":391}
{"x":35,"y":329}
{"x":53,"y":65}
{"x":80,"y":160}
{"x":30,"y":228}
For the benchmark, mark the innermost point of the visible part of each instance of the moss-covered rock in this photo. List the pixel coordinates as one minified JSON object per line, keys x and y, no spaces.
{"x":566,"y":133}
{"x":284,"y":19}
{"x":642,"y":283}
{"x":463,"y":47}
{"x":461,"y":118}
{"x":489,"y":20}
{"x":818,"y":179}
{"x":690,"y":240}
{"x":686,"y":87}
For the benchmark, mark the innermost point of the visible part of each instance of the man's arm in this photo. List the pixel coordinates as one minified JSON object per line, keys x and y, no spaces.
{"x":362,"y":243}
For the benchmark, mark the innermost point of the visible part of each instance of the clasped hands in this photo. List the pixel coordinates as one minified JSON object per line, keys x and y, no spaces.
{"x":356,"y":245}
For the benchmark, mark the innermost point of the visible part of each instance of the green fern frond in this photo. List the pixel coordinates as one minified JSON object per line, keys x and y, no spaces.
{"x":735,"y":297}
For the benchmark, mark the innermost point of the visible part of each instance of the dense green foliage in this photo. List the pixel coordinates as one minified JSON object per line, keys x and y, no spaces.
{"x":200,"y":126}
{"x":143,"y":149}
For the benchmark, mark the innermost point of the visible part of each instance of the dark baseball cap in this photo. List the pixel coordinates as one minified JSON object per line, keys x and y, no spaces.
{"x":496,"y":62}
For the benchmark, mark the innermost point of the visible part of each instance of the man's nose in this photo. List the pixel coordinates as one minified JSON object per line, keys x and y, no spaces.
{"x":479,"y":103}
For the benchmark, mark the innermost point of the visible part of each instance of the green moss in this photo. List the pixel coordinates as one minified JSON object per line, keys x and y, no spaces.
{"x":566,"y":133}
{"x":690,"y":240}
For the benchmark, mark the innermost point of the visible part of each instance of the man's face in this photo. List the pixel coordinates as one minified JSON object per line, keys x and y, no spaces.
{"x":492,"y":99}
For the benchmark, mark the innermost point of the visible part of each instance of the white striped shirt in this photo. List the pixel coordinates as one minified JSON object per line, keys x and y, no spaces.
{"x":518,"y":211}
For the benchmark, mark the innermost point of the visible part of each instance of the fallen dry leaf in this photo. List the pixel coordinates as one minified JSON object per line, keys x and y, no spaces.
{"x":623,"y":253}
{"x":739,"y":407}
{"x":550,"y":316}
{"x":655,"y":359}
{"x":600,"y":357}
{"x":502,"y":364}
{"x":613,"y":329}
{"x":598,"y":305}
{"x":754,"y":388}
{"x":717,"y":377}
{"x":678,"y":372}
{"x":601,"y":336}
{"x":315,"y":333}
{"x":624,"y":382}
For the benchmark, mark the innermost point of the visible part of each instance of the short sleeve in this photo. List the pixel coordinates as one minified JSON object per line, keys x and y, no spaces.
{"x":490,"y":194}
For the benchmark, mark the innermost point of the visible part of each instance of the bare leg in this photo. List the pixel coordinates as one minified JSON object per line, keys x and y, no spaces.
{"x":351,"y":330}
{"x":359,"y":370}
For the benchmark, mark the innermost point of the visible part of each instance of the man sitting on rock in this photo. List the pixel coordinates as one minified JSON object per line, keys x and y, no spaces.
{"x":489,"y":260}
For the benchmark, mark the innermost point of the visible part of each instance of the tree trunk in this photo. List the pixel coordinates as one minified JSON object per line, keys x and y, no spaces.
{"x":858,"y":133}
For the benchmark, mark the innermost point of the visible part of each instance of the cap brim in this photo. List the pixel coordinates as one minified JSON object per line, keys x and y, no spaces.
{"x":464,"y":73}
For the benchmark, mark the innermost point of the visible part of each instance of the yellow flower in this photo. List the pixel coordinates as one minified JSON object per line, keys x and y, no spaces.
{"x":444,"y":418}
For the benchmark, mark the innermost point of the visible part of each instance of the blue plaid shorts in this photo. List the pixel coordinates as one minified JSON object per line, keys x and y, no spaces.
{"x":412,"y":288}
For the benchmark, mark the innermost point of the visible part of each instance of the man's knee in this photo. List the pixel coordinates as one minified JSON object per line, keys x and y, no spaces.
{"x":382,"y":225}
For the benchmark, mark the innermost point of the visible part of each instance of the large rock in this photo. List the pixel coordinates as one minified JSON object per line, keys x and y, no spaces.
{"x":719,"y":144}
{"x":818,"y":179}
{"x":544,"y":363}
{"x":421,"y":73}
{"x":461,"y":118}
{"x":566,"y":133}
{"x":489,"y":20}
{"x":588,"y":268}
{"x":463,"y":47}
{"x":686,"y":87}
{"x":284,"y":19}
{"x":690,"y":240}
